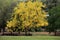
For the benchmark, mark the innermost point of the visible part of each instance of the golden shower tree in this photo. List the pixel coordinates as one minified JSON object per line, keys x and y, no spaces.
{"x":28,"y":14}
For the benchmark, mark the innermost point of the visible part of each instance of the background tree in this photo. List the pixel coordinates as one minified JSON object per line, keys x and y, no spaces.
{"x":51,"y":3}
{"x":54,"y":19}
{"x":5,"y":11}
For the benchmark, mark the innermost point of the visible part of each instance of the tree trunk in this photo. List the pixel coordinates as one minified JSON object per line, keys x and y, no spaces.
{"x":49,"y":32}
{"x":11,"y":33}
{"x":55,"y":33}
{"x":26,"y":31}
{"x":19,"y":33}
{"x":3,"y":31}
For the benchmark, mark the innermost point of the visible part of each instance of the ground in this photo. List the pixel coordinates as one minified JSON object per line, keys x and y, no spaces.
{"x":29,"y":37}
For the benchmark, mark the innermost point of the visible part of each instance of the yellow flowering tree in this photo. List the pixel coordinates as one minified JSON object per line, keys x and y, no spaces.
{"x":28,"y":14}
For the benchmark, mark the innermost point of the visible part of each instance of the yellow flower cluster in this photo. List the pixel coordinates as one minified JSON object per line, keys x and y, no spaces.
{"x":12,"y":23}
{"x":30,"y":13}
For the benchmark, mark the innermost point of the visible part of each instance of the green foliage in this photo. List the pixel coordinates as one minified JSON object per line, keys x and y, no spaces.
{"x":6,"y":7}
{"x":54,"y":19}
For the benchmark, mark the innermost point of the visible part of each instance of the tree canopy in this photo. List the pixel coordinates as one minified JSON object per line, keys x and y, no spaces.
{"x":28,"y":14}
{"x":54,"y":19}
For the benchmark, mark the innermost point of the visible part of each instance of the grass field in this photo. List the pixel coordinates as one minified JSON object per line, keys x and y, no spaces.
{"x":29,"y":37}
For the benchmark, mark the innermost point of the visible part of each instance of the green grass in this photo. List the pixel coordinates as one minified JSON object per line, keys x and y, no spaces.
{"x":29,"y":37}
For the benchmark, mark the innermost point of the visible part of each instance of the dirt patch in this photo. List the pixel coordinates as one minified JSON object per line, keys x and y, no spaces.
{"x":28,"y":33}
